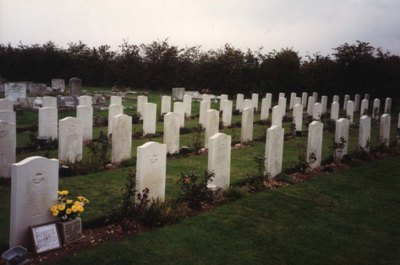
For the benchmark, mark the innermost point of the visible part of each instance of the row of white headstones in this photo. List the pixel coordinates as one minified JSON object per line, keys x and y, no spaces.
{"x":35,"y":179}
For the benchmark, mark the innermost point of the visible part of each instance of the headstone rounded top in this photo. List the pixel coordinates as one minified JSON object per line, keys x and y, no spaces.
{"x":75,"y":79}
{"x":34,"y":158}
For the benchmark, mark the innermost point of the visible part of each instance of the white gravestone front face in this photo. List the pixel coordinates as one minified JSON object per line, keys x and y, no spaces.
{"x":178,"y":93}
{"x":254,"y":99}
{"x":336,"y":98}
{"x":141,"y":100}
{"x":34,"y":188}
{"x":281,"y":95}
{"x":388,"y":105}
{"x":115,"y":100}
{"x":317,"y":111}
{"x":384,"y":129}
{"x":364,"y":135}
{"x":282,"y":105}
{"x":357,"y":103}
{"x":248,"y":103}
{"x":151,"y":169}
{"x":304,"y":96}
{"x":298,"y":117}
{"x":8,"y":116}
{"x":239,"y":102}
{"x":350,"y":110}
{"x":48,"y":122}
{"x":149,"y":118}
{"x":291,"y":101}
{"x":85,"y":114}
{"x":276,"y":116}
{"x":222,"y":99}
{"x":204,"y":107}
{"x":212,"y":125}
{"x":314,"y":144}
{"x":8,"y":144}
{"x":207,"y":97}
{"x":180,"y":110}
{"x":70,"y":138}
{"x":296,"y":100}
{"x":268,"y":96}
{"x":14,"y":91}
{"x":121,"y":138}
{"x":187,"y":105}
{"x":246,"y":131}
{"x":87,"y":100}
{"x":342,"y":137}
{"x":165,"y":104}
{"x":364,"y":107}
{"x":346,"y":98}
{"x":58,"y":84}
{"x":6,"y":104}
{"x":324,"y":104}
{"x":376,"y":108}
{"x":335,"y":111}
{"x":310,"y":106}
{"x":227,"y":113}
{"x":75,"y":86}
{"x":112,"y":111}
{"x":264,"y":110}
{"x":274,"y":151}
{"x":50,"y":102}
{"x":219,"y":159}
{"x":171,"y":132}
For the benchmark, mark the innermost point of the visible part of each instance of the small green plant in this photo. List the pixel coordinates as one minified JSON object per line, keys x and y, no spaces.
{"x":293,"y":129}
{"x":128,"y":196}
{"x":302,"y":164}
{"x":233,"y":194}
{"x":194,"y":189}
{"x":330,"y":125}
{"x":161,"y":213}
{"x":99,"y":149}
{"x":259,"y":159}
{"x":338,"y":149}
{"x":197,"y":138}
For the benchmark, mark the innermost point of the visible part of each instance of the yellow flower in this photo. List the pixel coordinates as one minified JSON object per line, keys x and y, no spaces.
{"x":64,"y":192}
{"x":74,"y":208}
{"x":61,"y":207}
{"x":53,"y":208}
{"x":80,"y":209}
{"x":55,"y":213}
{"x":77,"y":203}
{"x":69,"y":201}
{"x":83,"y":199}
{"x":68,"y":211}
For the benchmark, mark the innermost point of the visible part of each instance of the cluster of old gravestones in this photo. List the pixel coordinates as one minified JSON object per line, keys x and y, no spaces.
{"x":34,"y":180}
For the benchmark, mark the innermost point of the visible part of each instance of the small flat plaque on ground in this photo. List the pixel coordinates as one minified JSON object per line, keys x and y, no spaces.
{"x":45,"y":237}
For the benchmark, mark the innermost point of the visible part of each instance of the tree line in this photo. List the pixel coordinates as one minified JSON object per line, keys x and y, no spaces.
{"x":351,"y":68}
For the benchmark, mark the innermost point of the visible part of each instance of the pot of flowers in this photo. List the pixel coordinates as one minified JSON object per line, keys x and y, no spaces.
{"x":68,"y":211}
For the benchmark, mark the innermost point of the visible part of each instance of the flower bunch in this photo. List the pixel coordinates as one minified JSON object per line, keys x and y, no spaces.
{"x":66,"y":208}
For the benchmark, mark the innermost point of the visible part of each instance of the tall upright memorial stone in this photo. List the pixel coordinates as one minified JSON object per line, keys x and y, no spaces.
{"x":274,"y":151}
{"x":8,"y":144}
{"x":171,"y":132}
{"x":121,"y":138}
{"x":165,"y":104}
{"x":239,"y":102}
{"x":314,"y":144}
{"x":112,"y":111}
{"x":341,"y":137}
{"x":187,"y":105}
{"x":219,"y":159}
{"x":227,"y":113}
{"x":364,"y":132}
{"x":85,"y":114}
{"x":75,"y":86}
{"x":212,"y":125}
{"x":70,"y":138}
{"x":149,"y":118}
{"x":48,"y":122}
{"x":246,"y":134}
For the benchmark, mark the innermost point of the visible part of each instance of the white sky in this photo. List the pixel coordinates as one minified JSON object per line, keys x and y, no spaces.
{"x":307,"y":26}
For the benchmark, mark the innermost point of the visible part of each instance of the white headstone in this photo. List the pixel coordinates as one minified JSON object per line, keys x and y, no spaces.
{"x":268,"y":96}
{"x":346,"y":98}
{"x":75,"y":86}
{"x":248,"y":103}
{"x":70,"y":138}
{"x":212,"y":125}
{"x":276,"y":116}
{"x":141,"y":100}
{"x":264,"y":110}
{"x":246,"y":132}
{"x":336,"y":98}
{"x":254,"y":99}
{"x":6,"y":104}
{"x":357,"y":103}
{"x":114,"y":100}
{"x":315,"y":96}
{"x":222,"y":99}
{"x":121,"y":138}
{"x":187,"y":105}
{"x":281,"y":95}
{"x":58,"y":84}
{"x":314,"y":144}
{"x":149,"y":118}
{"x":113,"y":110}
{"x":87,"y":100}
{"x":180,"y":110}
{"x":48,"y":122}
{"x":310,"y":106}
{"x":296,"y":100}
{"x":34,"y":188}
{"x":324,"y":104}
{"x":239,"y":102}
{"x":317,"y":111}
{"x":335,"y":111}
{"x":298,"y":117}
{"x":204,"y":107}
{"x":14,"y":91}
{"x":171,"y":132}
{"x":282,"y":105}
{"x":388,"y":105}
{"x":384,"y":129}
{"x":151,"y":169}
{"x":219,"y":159}
{"x":350,"y":110}
{"x":376,"y":108}
{"x":227,"y":113}
{"x":291,"y":100}
{"x":304,"y":96}
{"x":50,"y":102}
{"x":178,"y":93}
{"x":85,"y":114}
{"x":364,"y":107}
{"x":364,"y":135}
{"x":8,"y":144}
{"x":342,"y":133}
{"x":8,"y":116}
{"x":274,"y":151}
{"x":165,"y":104}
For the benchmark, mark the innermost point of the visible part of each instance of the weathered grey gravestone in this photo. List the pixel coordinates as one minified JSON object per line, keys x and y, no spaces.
{"x":14,"y":91}
{"x":346,"y":98}
{"x":50,"y":102}
{"x":121,"y":138}
{"x":314,"y":144}
{"x":178,"y":93}
{"x":227,"y":113}
{"x":165,"y":104}
{"x":276,"y":116}
{"x":388,"y":105}
{"x":246,"y":133}
{"x":48,"y":122}
{"x":85,"y":114}
{"x":335,"y":111}
{"x":34,"y":187}
{"x":341,"y":137}
{"x":364,"y":133}
{"x":336,"y":98}
{"x":239,"y":102}
{"x":180,"y":110}
{"x":212,"y":125}
{"x":70,"y":135}
{"x":304,"y":96}
{"x":291,"y":101}
{"x":219,"y":159}
{"x":6,"y":104}
{"x":8,"y":144}
{"x":75,"y":86}
{"x":282,"y":105}
{"x":113,"y":110}
{"x":149,"y":118}
{"x":384,"y":129}
{"x":171,"y":132}
{"x":274,"y":151}
{"x":151,"y":163}
{"x":324,"y":104}
{"x":357,"y":103}
{"x":58,"y":84}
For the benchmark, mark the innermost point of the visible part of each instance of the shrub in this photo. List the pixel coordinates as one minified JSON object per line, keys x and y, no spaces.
{"x":161,"y":213}
{"x":233,"y":194}
{"x":197,"y":138}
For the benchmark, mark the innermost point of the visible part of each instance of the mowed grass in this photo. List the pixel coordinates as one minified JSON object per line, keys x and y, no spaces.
{"x":348,"y":217}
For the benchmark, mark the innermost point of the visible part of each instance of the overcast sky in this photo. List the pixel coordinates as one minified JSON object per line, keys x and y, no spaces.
{"x":307,"y":26}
